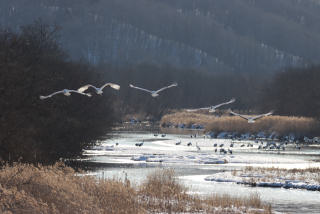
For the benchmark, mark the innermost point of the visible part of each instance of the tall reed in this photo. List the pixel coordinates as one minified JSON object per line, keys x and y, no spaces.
{"x":280,"y":124}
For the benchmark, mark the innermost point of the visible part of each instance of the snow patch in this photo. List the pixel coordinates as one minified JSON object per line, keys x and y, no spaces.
{"x":274,"y":181}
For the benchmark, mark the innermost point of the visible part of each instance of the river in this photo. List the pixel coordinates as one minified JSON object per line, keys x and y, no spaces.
{"x":124,"y":158}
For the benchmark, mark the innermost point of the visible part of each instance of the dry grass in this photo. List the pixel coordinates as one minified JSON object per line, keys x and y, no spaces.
{"x":187,"y":118}
{"x":58,"y":189}
{"x":280,"y":124}
{"x":275,"y":169}
{"x":224,"y":201}
{"x":311,"y":174}
{"x":162,"y":192}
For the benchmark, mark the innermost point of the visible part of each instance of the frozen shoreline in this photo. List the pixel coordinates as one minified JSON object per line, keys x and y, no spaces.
{"x":266,"y":180}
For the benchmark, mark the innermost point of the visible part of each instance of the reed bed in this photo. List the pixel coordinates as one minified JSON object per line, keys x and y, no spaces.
{"x":311,"y":174}
{"x":187,"y":118}
{"x":280,"y":124}
{"x":276,"y":169}
{"x":272,"y":174}
{"x":58,"y":189}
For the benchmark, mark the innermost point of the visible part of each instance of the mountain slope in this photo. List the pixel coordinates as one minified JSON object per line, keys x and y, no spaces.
{"x":217,"y":36}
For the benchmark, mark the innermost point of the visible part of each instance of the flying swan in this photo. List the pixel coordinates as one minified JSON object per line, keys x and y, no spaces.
{"x":251,"y":119}
{"x":99,"y":90}
{"x":154,"y":93}
{"x":213,"y":108}
{"x":66,"y":92}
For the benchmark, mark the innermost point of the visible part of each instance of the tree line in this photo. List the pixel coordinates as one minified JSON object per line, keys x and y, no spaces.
{"x":289,"y":92}
{"x":195,"y":89}
{"x":294,"y":91}
{"x":32,"y":130}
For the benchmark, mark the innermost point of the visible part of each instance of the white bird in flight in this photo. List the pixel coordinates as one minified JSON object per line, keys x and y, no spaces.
{"x":213,"y":108}
{"x":66,"y":92}
{"x":154,"y":93}
{"x":98,"y":90}
{"x":251,"y":119}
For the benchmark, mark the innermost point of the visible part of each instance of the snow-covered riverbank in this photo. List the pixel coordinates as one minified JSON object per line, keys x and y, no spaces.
{"x":272,"y":177}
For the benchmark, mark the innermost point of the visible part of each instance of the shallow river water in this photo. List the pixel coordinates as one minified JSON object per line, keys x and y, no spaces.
{"x":193,"y":165}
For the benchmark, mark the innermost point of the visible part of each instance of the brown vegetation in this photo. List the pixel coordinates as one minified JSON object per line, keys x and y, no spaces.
{"x":294,"y":170}
{"x":57,"y":189}
{"x":280,"y":124}
{"x":311,"y":174}
{"x":188,"y":118}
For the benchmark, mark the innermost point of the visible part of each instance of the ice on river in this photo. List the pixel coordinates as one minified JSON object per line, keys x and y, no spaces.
{"x":166,"y":150}
{"x":196,"y":167}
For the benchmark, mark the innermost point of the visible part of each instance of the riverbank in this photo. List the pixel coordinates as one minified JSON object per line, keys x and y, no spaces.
{"x":308,"y":179}
{"x":282,"y":125}
{"x":59,"y":189}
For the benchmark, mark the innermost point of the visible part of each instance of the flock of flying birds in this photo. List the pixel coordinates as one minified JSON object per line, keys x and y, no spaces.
{"x":81,"y":90}
{"x":250,"y":119}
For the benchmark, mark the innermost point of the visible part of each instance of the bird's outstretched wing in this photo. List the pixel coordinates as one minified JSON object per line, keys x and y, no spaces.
{"x":240,"y":115}
{"x":50,"y":95}
{"x":262,"y":115}
{"x":212,"y":107}
{"x":132,"y":86}
{"x":85,"y":87}
{"x":76,"y":91}
{"x":197,"y":109}
{"x":225,"y":103}
{"x":164,"y":88}
{"x":112,"y":85}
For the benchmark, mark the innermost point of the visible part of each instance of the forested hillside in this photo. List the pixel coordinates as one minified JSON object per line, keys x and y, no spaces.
{"x":217,"y":36}
{"x":35,"y":130}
